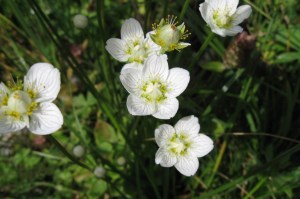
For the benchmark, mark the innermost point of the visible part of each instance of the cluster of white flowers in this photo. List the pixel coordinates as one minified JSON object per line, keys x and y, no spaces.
{"x":152,"y":86}
{"x":29,"y":103}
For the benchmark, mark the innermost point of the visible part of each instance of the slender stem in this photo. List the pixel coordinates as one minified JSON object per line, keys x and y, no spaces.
{"x":67,"y":154}
{"x":183,"y":10}
{"x":265,"y":134}
{"x":217,"y":164}
{"x":257,"y":186}
{"x":202,"y":48}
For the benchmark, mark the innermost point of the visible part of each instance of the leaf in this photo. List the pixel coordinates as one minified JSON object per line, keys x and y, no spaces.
{"x":287,"y":57}
{"x":214,"y":66}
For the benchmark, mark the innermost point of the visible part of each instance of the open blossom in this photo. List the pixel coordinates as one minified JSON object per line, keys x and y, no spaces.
{"x":154,"y":89}
{"x":223,"y":16}
{"x":167,"y":35}
{"x":133,"y":48}
{"x":181,"y":145}
{"x":29,"y":103}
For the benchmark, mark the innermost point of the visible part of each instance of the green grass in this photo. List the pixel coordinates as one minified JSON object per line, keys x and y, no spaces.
{"x":250,"y":108}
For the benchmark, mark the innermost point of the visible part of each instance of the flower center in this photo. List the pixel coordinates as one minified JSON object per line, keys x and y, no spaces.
{"x":19,"y":103}
{"x":137,"y":50}
{"x":154,"y":91}
{"x":178,"y":144}
{"x":222,"y":19}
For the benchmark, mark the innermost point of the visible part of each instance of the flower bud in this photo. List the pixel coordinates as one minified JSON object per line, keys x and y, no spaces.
{"x":121,"y":161}
{"x":99,"y":172}
{"x":78,"y":151}
{"x":80,"y":21}
{"x":168,"y":35}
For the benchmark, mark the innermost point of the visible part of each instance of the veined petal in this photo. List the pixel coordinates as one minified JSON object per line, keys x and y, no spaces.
{"x":178,"y":80}
{"x":187,"y":165}
{"x":201,"y":145}
{"x":3,"y":89}
{"x":138,"y":106}
{"x":233,"y":30}
{"x":188,"y":126}
{"x":131,"y":30}
{"x":133,"y":65}
{"x":151,"y":47}
{"x":242,"y":13}
{"x":117,"y":49}
{"x":43,"y":80}
{"x":164,"y":158}
{"x":231,"y":6}
{"x":167,"y":109}
{"x":156,"y":67}
{"x":206,"y":12}
{"x":47,"y":119}
{"x":9,"y":124}
{"x":131,"y":79}
{"x":164,"y":133}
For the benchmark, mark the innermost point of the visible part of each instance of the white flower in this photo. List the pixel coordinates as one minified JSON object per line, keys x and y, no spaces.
{"x":223,"y":16}
{"x":154,"y":89}
{"x":180,"y":146}
{"x":133,"y":48}
{"x":29,"y":104}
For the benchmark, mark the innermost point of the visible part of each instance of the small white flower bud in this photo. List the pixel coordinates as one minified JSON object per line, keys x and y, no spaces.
{"x":80,"y":21}
{"x":121,"y":161}
{"x":168,"y":35}
{"x":99,"y":172}
{"x":78,"y":151}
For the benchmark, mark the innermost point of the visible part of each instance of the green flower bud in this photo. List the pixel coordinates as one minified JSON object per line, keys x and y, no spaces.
{"x":168,"y":35}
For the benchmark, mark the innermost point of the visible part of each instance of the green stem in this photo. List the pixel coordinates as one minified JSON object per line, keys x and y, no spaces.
{"x":257,"y":186}
{"x":67,"y":154}
{"x":183,"y":10}
{"x":202,"y":48}
{"x":217,"y":164}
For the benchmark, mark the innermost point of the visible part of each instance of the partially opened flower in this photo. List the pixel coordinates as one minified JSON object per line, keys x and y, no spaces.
{"x":29,"y":103}
{"x":167,"y":35}
{"x":154,"y":89}
{"x":133,"y":48}
{"x":182,"y":145}
{"x":223,"y":16}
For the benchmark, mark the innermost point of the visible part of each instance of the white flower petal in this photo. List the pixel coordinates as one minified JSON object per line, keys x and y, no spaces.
{"x":206,"y":12}
{"x":151,"y":47}
{"x":188,"y":126}
{"x":163,"y":134}
{"x":117,"y":49}
{"x":164,"y":158}
{"x":131,"y":30}
{"x":167,"y":109}
{"x":131,"y":80}
{"x":9,"y":124}
{"x":178,"y":80}
{"x":47,"y":119}
{"x":138,"y":106}
{"x":156,"y":67}
{"x":231,"y":6}
{"x":187,"y":165}
{"x":44,"y":80}
{"x":233,"y":31}
{"x":242,"y":13}
{"x":201,"y":145}
{"x":133,"y":65}
{"x":3,"y":89}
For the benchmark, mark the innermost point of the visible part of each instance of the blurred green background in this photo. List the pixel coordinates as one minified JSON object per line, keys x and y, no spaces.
{"x":243,"y":89}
